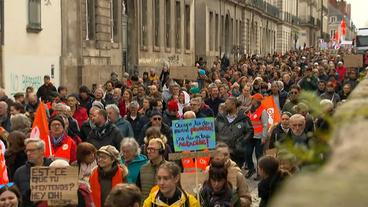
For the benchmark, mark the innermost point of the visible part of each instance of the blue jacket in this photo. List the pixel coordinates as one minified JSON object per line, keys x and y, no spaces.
{"x":134,"y":167}
{"x":125,"y":127}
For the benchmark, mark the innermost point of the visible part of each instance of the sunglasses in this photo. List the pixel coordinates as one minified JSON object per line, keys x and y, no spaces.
{"x":157,"y":119}
{"x":7,"y":185}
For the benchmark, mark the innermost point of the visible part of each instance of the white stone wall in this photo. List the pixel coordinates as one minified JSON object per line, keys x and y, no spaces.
{"x":27,"y":57}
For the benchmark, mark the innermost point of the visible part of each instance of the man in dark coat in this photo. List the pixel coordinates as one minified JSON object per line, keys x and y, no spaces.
{"x":47,"y":90}
{"x":234,"y":128}
{"x":105,"y":133}
{"x":214,"y":100}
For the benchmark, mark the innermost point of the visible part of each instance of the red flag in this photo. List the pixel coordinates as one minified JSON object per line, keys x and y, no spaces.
{"x":3,"y":171}
{"x":336,"y":36}
{"x":343,"y":27}
{"x":40,"y":128}
{"x":272,"y":110}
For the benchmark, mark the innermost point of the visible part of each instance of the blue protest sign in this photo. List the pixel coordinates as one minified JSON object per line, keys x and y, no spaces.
{"x":193,"y":134}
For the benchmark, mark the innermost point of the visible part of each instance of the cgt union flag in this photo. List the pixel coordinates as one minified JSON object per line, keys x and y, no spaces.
{"x":273,"y":112}
{"x":40,"y":128}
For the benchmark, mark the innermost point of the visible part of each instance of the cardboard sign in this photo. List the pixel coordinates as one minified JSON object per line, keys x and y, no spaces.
{"x":57,"y":185}
{"x":194,"y":134}
{"x":181,"y":73}
{"x":179,"y":156}
{"x":353,"y":61}
{"x":188,"y":182}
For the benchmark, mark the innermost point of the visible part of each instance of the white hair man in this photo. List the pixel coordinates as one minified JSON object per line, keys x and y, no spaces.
{"x":124,"y":126}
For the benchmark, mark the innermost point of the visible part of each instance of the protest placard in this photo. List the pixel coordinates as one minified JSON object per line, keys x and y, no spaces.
{"x":187,"y":73}
{"x":178,"y":156}
{"x":192,"y":182}
{"x":193,"y":134}
{"x":57,"y":185}
{"x":353,"y":61}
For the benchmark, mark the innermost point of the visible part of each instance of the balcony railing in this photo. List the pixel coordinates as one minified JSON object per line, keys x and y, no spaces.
{"x":308,"y":20}
{"x":264,"y":6}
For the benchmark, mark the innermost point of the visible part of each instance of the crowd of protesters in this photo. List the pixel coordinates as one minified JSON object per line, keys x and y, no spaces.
{"x":120,"y":132}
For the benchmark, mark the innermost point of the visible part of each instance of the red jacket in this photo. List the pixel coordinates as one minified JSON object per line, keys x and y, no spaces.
{"x":80,"y":114}
{"x":67,"y":150}
{"x":341,"y":71}
{"x":122,"y":108}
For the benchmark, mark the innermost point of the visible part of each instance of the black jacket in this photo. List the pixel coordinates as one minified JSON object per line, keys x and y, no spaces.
{"x":45,"y":92}
{"x":165,"y":130}
{"x":109,"y":134}
{"x":14,"y":161}
{"x":137,"y":125}
{"x":277,"y":135}
{"x":235,"y":133}
{"x":268,"y":186}
{"x":85,"y":130}
{"x":214,"y":104}
{"x":22,"y":178}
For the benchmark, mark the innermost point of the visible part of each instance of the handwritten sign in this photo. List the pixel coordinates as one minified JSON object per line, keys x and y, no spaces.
{"x":57,"y":185}
{"x":193,"y":134}
{"x":179,"y":156}
{"x":181,"y":73}
{"x":353,"y":61}
{"x":192,"y":183}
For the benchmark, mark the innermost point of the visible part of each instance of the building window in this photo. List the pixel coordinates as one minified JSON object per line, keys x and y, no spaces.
{"x":333,"y":19}
{"x":34,"y":16}
{"x":177,"y":25}
{"x":211,"y":31}
{"x":115,"y":20}
{"x":156,"y":23}
{"x":187,"y":27}
{"x":332,"y":34}
{"x":90,"y":19}
{"x":168,"y":23}
{"x":216,"y":32}
{"x":144,"y":23}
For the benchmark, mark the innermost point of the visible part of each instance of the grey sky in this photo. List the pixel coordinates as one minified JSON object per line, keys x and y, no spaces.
{"x":359,"y":12}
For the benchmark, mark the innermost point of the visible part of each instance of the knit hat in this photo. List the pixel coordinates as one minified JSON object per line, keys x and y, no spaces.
{"x":57,"y":118}
{"x":98,"y":104}
{"x":257,"y":97}
{"x":156,"y":112}
{"x":110,"y":151}
{"x":194,"y":90}
{"x":173,"y":105}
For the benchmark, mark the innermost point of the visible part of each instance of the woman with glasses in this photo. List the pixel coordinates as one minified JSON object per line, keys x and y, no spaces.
{"x":132,"y":158}
{"x":63,"y":146}
{"x":168,"y":191}
{"x":108,"y":174}
{"x":10,"y":196}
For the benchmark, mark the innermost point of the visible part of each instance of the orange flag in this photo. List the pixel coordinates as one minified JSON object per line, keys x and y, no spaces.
{"x":272,"y":110}
{"x":3,"y":171}
{"x":40,"y":128}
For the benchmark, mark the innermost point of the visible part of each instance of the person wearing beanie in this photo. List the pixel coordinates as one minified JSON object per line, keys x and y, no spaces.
{"x":63,"y":146}
{"x":107,"y":174}
{"x":171,"y":113}
{"x":156,"y":121}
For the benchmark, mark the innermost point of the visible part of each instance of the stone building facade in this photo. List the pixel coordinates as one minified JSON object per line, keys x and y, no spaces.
{"x":219,"y":29}
{"x":339,"y":10}
{"x":30,"y":43}
{"x":92,"y":39}
{"x":160,"y":33}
